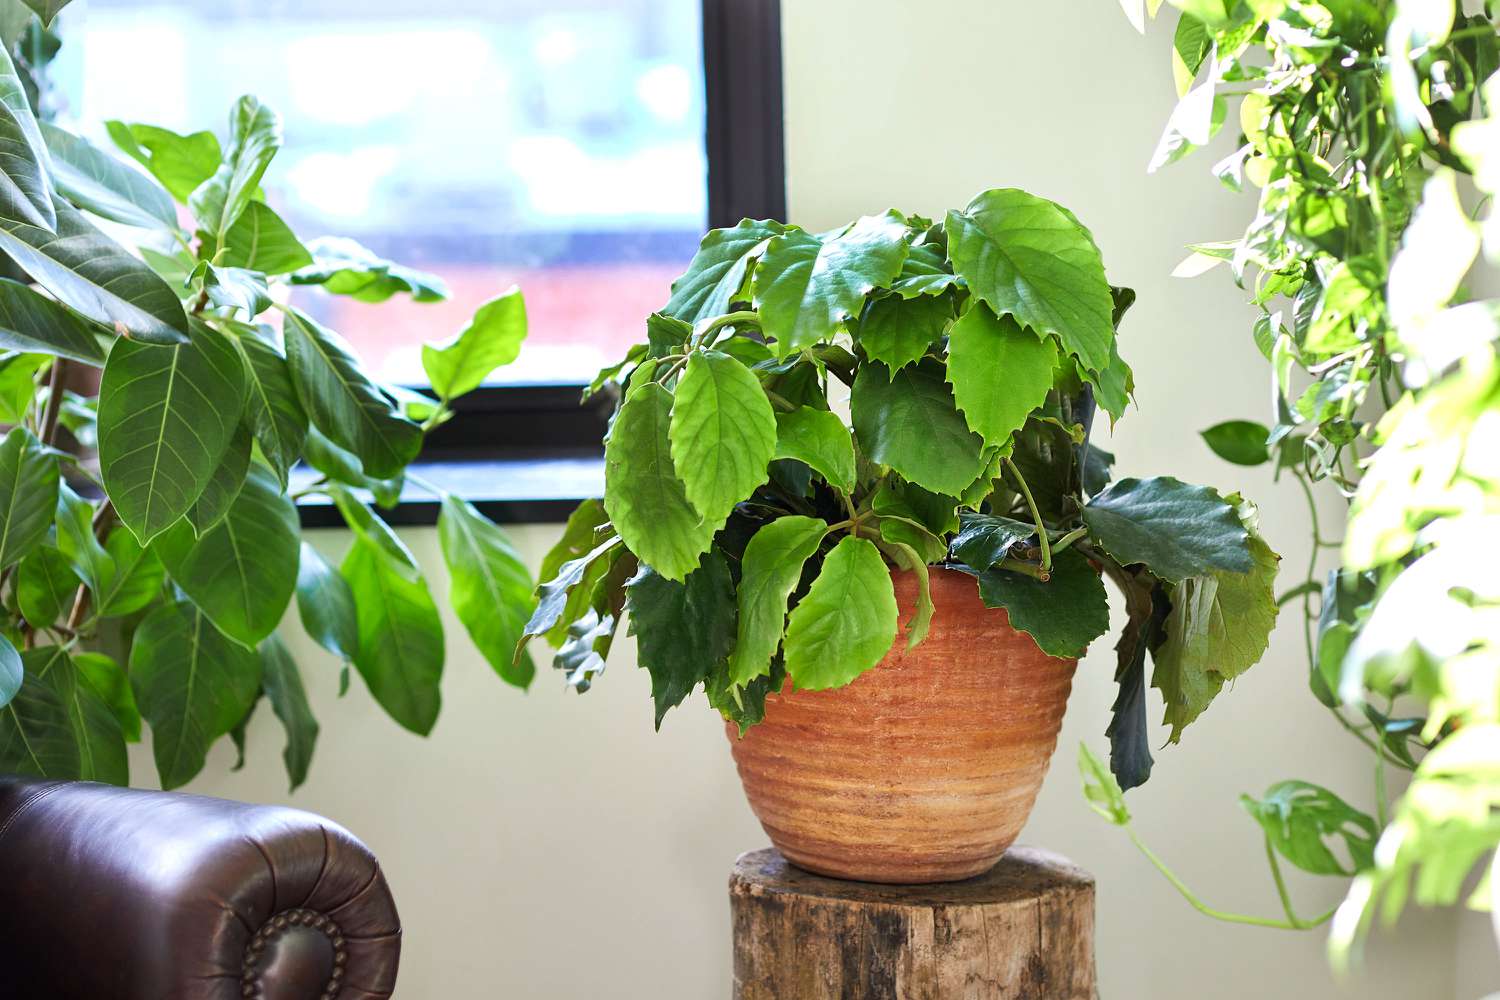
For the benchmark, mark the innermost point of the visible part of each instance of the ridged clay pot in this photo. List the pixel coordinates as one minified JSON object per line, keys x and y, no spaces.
{"x":925,"y":768}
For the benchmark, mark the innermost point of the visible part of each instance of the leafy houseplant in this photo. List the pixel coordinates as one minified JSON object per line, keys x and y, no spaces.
{"x":151,"y":583}
{"x":1357,"y":122}
{"x":751,"y":531}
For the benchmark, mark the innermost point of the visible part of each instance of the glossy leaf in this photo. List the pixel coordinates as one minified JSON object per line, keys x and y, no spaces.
{"x":770,"y":569}
{"x":819,"y":439}
{"x":283,"y":683}
{"x":11,"y":671}
{"x":1029,"y":258}
{"x":489,"y":587}
{"x":76,"y":540}
{"x":1242,"y":442}
{"x":130,"y":580}
{"x":180,"y":162}
{"x":1300,"y":819}
{"x":28,"y":494}
{"x":111,"y":685}
{"x":369,"y":526}
{"x":985,"y":539}
{"x":646,"y":501}
{"x":1175,"y":529}
{"x":26,"y":195}
{"x":36,"y":730}
{"x":192,"y":684}
{"x":491,"y":339}
{"x":225,"y":483}
{"x":400,"y":652}
{"x":1063,"y":615}
{"x":254,"y":138}
{"x":846,"y":623}
{"x":898,"y":331}
{"x":722,"y":433}
{"x":96,"y":182}
{"x":241,"y":574}
{"x":166,"y":418}
{"x":344,"y":467}
{"x":717,"y":270}
{"x":558,"y":588}
{"x":343,"y":267}
{"x":30,"y":321}
{"x":259,"y":241}
{"x":326,"y":605}
{"x":908,"y":420}
{"x":925,"y":272}
{"x":45,"y":585}
{"x":683,"y":629}
{"x":342,"y":401}
{"x":1000,"y":373}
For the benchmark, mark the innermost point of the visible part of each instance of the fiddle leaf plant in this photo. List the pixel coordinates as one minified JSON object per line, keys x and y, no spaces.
{"x":750,"y":530}
{"x":168,"y":407}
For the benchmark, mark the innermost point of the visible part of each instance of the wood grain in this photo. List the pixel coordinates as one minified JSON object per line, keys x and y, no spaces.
{"x":925,"y":768}
{"x":1022,"y":931}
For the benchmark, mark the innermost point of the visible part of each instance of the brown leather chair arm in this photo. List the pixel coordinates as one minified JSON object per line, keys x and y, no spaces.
{"x":120,"y":894}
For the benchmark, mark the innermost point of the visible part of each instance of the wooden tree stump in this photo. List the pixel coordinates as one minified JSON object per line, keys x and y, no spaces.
{"x":1022,"y":931}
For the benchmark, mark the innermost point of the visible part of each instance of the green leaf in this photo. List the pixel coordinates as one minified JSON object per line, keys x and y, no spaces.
{"x":717,"y":270}
{"x":722,"y":433}
{"x":936,"y":512}
{"x":45,"y":584}
{"x":555,"y":592}
{"x":400,"y":653}
{"x":241,"y":574}
{"x":770,"y":569}
{"x":130,"y":580}
{"x":254,"y":138}
{"x":12,"y":673}
{"x":95,"y":181}
{"x":806,"y":286}
{"x":819,"y":439}
{"x":26,"y":195}
{"x":580,"y":534}
{"x":1300,"y":817}
{"x":75,"y":538}
{"x":342,"y":401}
{"x":343,"y":467}
{"x":1175,"y":529}
{"x":180,"y":162}
{"x":111,"y":685}
{"x":925,"y":272}
{"x":490,"y":588}
{"x":166,"y":418}
{"x":96,"y":729}
{"x":224,"y":485}
{"x":647,"y":503}
{"x":28,"y":494}
{"x":46,"y":9}
{"x":260,"y":241}
{"x":492,"y":339}
{"x":36,"y":730}
{"x":1029,"y":258}
{"x":898,"y":331}
{"x":1195,"y":120}
{"x":1242,"y":442}
{"x":1213,"y":13}
{"x":908,"y":420}
{"x":29,"y":321}
{"x":343,"y":267}
{"x":96,"y":276}
{"x":1219,"y":626}
{"x":364,"y":523}
{"x":1000,"y":373}
{"x":910,"y":559}
{"x":985,"y":539}
{"x":846,"y":623}
{"x":283,"y":684}
{"x":1129,"y":738}
{"x":326,"y":605}
{"x":1191,"y":44}
{"x":683,"y":629}
{"x":1101,"y":789}
{"x":192,"y":684}
{"x":1063,"y":615}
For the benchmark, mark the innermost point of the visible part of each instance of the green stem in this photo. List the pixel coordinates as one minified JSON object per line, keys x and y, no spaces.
{"x":1036,"y":515}
{"x":1296,"y":922}
{"x":426,"y":484}
{"x":780,"y":402}
{"x":1200,"y":905}
{"x":744,"y":317}
{"x":1068,"y":539}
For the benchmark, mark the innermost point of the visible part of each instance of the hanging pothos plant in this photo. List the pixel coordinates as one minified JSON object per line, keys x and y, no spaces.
{"x":1371,"y":132}
{"x":749,"y":530}
{"x":149,"y":584}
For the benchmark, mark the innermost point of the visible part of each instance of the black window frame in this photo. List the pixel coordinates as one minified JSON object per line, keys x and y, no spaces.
{"x":501,"y":430}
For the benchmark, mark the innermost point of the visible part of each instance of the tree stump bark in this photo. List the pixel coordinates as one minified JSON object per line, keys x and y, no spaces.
{"x":1022,"y":931}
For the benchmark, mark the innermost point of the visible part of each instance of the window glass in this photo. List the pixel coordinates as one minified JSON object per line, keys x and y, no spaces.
{"x":555,"y":144}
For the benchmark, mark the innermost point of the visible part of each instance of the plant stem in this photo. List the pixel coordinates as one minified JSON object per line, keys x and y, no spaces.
{"x":746,"y":317}
{"x":1204,"y":908}
{"x":1296,"y":922}
{"x":1036,"y":515}
{"x":425,"y":484}
{"x":55,"y":382}
{"x":103,"y":519}
{"x":1068,"y":539}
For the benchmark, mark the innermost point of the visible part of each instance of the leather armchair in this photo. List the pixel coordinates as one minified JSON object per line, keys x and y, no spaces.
{"x":120,"y":894}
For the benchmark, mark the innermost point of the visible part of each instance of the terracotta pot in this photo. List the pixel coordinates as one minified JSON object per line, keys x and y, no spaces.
{"x":925,"y":768}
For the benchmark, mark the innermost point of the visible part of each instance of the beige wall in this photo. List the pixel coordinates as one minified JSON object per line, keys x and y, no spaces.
{"x":551,"y":846}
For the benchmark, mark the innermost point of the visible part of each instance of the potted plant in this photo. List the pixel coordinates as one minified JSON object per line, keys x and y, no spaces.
{"x":887,"y":609}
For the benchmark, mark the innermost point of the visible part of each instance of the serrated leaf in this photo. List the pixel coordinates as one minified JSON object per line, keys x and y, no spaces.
{"x":29,"y":321}
{"x":925,"y":272}
{"x":400,"y":653}
{"x":45,"y":584}
{"x":898,"y":331}
{"x":28,"y":494}
{"x":489,"y":587}
{"x":646,"y":501}
{"x":192,"y":684}
{"x":717,"y":270}
{"x":343,"y":267}
{"x":326,"y":605}
{"x":224,"y":485}
{"x":1242,"y":442}
{"x":130,"y":580}
{"x":807,"y":286}
{"x":95,"y":181}
{"x":769,"y":572}
{"x":722,"y":434}
{"x":1173,"y":528}
{"x":819,"y":439}
{"x":683,"y":630}
{"x":111,"y":685}
{"x":96,"y":276}
{"x":180,"y":162}
{"x":908,"y":420}
{"x":254,"y":138}
{"x":288,"y":698}
{"x":343,"y":402}
{"x":166,"y":418}
{"x":1063,"y":615}
{"x":1027,"y":257}
{"x":1300,"y":818}
{"x":259,"y":241}
{"x":556,"y":590}
{"x":490,"y":340}
{"x":846,"y":623}
{"x":1000,"y":373}
{"x":241,"y":574}
{"x":985,"y":539}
